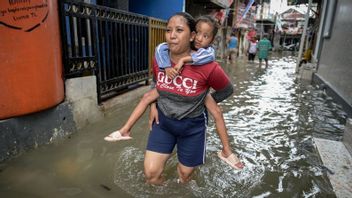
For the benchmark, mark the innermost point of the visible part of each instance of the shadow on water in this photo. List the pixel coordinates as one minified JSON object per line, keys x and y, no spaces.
{"x":271,"y":120}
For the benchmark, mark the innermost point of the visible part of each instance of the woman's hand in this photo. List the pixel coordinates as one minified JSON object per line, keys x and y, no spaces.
{"x":153,"y":115}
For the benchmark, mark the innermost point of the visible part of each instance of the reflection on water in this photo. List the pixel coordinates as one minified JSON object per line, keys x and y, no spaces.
{"x":271,"y":119}
{"x":213,"y":179}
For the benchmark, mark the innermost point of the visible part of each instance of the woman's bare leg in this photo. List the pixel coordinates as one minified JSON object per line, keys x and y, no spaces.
{"x":154,"y":164}
{"x":184,"y":172}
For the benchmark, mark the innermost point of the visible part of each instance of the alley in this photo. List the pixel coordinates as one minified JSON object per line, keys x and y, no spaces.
{"x":271,"y":120}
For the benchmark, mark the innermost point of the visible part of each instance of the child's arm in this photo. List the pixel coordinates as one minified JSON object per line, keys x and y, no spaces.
{"x":215,"y":111}
{"x":163,"y":60}
{"x":203,"y":56}
{"x":181,"y":62}
{"x":162,"y":56}
{"x":200,"y":57}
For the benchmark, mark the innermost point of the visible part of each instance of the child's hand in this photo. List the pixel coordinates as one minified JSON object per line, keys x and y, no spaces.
{"x":178,"y":67}
{"x":171,"y":72}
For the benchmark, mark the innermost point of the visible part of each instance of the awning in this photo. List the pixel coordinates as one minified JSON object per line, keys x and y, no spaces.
{"x":223,"y":3}
{"x":297,"y":2}
{"x":214,"y":4}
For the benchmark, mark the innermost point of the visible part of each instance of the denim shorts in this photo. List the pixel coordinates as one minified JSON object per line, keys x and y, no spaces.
{"x":188,"y":134}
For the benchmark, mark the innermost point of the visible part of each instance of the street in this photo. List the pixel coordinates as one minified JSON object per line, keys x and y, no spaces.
{"x":271,"y":120}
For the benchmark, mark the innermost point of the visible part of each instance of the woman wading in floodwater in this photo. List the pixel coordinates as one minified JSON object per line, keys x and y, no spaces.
{"x":180,"y":106}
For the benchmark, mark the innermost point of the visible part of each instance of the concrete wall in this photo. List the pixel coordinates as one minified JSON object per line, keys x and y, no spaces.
{"x":20,"y":134}
{"x":80,"y":108}
{"x":335,"y":62}
{"x":81,"y":94}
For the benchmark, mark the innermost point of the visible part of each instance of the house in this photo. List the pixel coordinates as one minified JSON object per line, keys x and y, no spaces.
{"x":291,"y":21}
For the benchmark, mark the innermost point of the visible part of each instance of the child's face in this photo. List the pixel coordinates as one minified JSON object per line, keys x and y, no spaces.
{"x":204,"y":35}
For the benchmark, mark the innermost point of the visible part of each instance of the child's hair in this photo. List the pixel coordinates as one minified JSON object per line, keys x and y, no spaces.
{"x":189,"y":20}
{"x":211,"y":21}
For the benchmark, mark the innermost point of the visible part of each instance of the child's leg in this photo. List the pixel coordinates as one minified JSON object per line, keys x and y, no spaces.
{"x":215,"y":111}
{"x":138,"y":111}
{"x":226,"y":153}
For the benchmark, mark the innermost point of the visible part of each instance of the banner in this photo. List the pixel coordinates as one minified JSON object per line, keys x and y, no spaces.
{"x":249,"y":5}
{"x":219,"y":15}
{"x":245,"y":17}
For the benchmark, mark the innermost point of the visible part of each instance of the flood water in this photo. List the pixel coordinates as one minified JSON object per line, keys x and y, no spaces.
{"x":271,"y":120}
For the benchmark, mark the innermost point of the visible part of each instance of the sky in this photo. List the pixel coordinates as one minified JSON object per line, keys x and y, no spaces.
{"x":278,"y":6}
{"x":281,"y":6}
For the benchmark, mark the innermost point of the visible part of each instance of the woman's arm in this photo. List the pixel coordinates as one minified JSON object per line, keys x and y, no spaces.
{"x":220,"y":95}
{"x":153,"y":115}
{"x":221,"y":83}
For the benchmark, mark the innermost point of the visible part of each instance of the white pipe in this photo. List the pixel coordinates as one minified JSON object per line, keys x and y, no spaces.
{"x":303,"y":36}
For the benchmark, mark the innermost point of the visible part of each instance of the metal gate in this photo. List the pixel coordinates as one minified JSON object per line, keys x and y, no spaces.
{"x":109,"y":43}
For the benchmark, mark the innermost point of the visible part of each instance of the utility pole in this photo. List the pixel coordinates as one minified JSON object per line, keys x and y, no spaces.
{"x":234,"y":18}
{"x":234,"y":22}
{"x":303,"y":36}
{"x":261,"y":19}
{"x":224,"y":42}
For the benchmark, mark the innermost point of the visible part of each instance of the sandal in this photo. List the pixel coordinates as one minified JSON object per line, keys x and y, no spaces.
{"x":116,"y":136}
{"x":232,"y":160}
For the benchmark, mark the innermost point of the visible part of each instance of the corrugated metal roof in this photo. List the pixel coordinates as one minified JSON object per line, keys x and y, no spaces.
{"x":297,"y":2}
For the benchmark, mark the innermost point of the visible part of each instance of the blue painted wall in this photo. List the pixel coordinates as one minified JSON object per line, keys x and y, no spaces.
{"x":161,"y":9}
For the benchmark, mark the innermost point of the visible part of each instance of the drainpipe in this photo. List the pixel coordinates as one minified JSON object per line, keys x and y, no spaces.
{"x":234,"y":21}
{"x":224,"y":34}
{"x":234,"y":18}
{"x":224,"y":44}
{"x":261,"y":19}
{"x":303,"y":36}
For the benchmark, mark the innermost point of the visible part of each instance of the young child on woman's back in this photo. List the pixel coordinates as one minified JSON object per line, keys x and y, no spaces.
{"x":205,"y":32}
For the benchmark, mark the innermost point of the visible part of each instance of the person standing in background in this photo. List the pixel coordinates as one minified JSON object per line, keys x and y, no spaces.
{"x":232,"y":47}
{"x":264,"y":45}
{"x":252,"y":50}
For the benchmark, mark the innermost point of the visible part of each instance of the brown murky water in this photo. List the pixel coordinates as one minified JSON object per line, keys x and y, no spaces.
{"x":271,"y":120}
